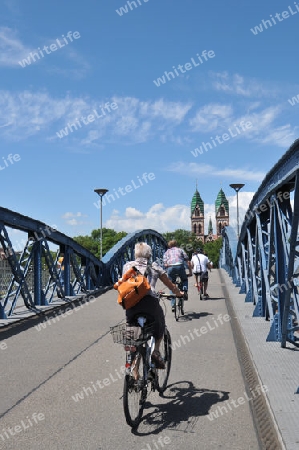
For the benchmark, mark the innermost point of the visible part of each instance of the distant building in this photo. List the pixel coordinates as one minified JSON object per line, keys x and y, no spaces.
{"x":198,"y":217}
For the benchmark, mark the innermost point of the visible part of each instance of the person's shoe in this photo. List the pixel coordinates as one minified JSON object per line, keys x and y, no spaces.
{"x":183,"y":312}
{"x":206,"y":296}
{"x":172,"y":308}
{"x":158,"y":360}
{"x":151,"y":375}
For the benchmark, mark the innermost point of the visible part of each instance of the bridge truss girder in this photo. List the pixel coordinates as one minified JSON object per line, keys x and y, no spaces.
{"x":123,"y":251}
{"x":265,"y":262}
{"x":82,"y":270}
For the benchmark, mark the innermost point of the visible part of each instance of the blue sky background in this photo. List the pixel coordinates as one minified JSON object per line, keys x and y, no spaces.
{"x":154,"y":129}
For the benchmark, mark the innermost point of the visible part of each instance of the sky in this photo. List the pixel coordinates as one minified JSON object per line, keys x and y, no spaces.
{"x":147,"y":99}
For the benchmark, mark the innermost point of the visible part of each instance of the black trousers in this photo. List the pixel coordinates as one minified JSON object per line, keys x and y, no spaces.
{"x":151,"y":307}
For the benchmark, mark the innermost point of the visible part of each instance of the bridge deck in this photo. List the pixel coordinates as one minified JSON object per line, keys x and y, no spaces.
{"x":69,"y":372}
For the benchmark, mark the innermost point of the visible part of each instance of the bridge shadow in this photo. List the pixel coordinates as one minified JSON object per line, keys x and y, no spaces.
{"x":187,"y":403}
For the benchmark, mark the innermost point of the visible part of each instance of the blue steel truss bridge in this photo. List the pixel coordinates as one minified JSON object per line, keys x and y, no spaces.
{"x":261,"y":269}
{"x":263,"y":262}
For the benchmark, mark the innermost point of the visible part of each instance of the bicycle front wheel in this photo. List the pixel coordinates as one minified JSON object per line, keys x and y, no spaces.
{"x":179,"y":309}
{"x":135,"y":392}
{"x":166,"y":353}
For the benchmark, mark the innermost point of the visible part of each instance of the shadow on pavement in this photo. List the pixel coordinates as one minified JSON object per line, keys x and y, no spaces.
{"x":186,"y":403}
{"x":195,"y":315}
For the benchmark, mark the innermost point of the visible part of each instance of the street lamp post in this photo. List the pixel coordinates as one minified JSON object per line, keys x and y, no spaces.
{"x":101,"y":193}
{"x":237,"y":187}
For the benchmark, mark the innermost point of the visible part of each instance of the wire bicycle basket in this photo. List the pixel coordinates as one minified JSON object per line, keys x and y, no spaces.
{"x":126,"y":334}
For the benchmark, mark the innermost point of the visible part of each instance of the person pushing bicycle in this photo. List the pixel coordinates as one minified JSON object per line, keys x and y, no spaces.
{"x":174,"y":260}
{"x":200,"y":264}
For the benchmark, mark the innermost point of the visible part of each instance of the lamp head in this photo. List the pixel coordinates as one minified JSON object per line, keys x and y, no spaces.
{"x":101,"y":192}
{"x":237,"y":186}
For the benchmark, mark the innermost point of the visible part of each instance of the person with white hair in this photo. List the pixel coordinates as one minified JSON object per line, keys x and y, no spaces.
{"x":149,"y":304}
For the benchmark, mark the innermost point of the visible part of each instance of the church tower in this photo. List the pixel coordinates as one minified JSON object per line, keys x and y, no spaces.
{"x":221,"y":212}
{"x":210,"y":237}
{"x":197,"y":216}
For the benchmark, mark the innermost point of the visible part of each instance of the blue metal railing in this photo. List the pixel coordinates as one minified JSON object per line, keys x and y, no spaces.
{"x":27,"y":265}
{"x":82,"y":271}
{"x":265,"y":260}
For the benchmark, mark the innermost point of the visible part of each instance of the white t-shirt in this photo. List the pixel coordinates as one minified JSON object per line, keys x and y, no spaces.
{"x":199,"y":259}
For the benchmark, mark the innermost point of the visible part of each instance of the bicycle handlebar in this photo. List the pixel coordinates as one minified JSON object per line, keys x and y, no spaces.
{"x":170,"y":296}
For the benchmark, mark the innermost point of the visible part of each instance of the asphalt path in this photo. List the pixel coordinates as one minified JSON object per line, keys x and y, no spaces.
{"x":61,"y":384}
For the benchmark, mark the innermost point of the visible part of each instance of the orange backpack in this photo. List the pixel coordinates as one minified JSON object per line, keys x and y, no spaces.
{"x":132,"y":287}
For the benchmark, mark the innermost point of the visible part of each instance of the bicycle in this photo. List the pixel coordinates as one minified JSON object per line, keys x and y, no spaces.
{"x":200,"y":287}
{"x":141,"y":372}
{"x":178,"y":307}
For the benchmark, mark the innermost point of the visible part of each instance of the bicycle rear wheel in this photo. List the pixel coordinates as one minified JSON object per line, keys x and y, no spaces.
{"x":135,"y":391}
{"x":201,"y":291}
{"x":166,"y":353}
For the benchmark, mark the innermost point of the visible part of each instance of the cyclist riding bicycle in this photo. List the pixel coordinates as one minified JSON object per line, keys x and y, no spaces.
{"x":174,"y":260}
{"x":149,"y":304}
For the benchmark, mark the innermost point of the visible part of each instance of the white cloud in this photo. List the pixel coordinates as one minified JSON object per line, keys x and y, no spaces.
{"x":174,"y":111}
{"x":158,"y":217}
{"x":244,"y":199}
{"x":208,"y":171}
{"x":262,"y":129}
{"x":11,"y":48}
{"x":282,"y":136}
{"x":239,"y":85}
{"x":72,"y":218}
{"x":163,"y":219}
{"x":67,"y":215}
{"x":210,"y":117}
{"x":27,"y":113}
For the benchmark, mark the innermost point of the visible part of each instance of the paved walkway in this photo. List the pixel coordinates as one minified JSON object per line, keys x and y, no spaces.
{"x":277,"y":368}
{"x":61,"y":381}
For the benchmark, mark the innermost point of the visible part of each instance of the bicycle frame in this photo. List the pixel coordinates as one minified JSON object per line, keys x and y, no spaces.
{"x":141,"y":371}
{"x":147,"y":347}
{"x":200,"y":288}
{"x":179,"y":301}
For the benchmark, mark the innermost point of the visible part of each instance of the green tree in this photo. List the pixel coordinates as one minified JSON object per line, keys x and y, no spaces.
{"x":212,"y":249}
{"x":92,"y":243}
